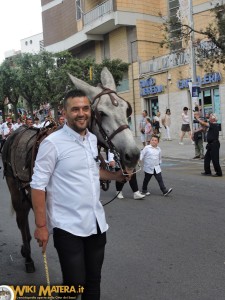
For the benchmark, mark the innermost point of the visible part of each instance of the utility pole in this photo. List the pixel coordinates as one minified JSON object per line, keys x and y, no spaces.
{"x":185,"y":15}
{"x":192,"y":50}
{"x":194,"y":89}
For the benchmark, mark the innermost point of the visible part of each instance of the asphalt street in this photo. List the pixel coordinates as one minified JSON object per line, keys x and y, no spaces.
{"x":159,"y":248}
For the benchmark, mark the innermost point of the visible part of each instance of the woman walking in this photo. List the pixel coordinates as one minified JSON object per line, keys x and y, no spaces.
{"x":185,"y":126}
{"x":166,"y":122}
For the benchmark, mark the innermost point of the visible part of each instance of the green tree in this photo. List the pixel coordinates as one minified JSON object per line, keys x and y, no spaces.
{"x":9,"y":85}
{"x":54,"y":80}
{"x":30,"y":74}
{"x":59,"y":82}
{"x":116,"y":66}
{"x":209,"y":47}
{"x":44,"y":77}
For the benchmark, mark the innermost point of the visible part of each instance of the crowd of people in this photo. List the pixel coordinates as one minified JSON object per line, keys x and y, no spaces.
{"x":203,"y":129}
{"x":7,"y":127}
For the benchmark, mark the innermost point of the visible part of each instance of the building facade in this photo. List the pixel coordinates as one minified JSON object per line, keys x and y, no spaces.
{"x":132,"y":31}
{"x":32,"y":44}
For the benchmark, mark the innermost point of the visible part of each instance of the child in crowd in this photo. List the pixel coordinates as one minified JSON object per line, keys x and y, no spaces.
{"x":151,"y":157}
{"x":148,"y":131}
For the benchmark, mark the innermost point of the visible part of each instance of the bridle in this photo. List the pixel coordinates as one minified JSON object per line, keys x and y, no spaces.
{"x":96,"y":117}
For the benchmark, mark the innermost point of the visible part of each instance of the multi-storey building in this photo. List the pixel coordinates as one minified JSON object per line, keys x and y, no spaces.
{"x":132,"y":31}
{"x":32,"y":44}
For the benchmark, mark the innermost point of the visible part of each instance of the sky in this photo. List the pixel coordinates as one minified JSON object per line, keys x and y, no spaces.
{"x":19,"y":19}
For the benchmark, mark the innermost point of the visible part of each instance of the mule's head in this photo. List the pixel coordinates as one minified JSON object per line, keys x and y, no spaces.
{"x":110,"y":113}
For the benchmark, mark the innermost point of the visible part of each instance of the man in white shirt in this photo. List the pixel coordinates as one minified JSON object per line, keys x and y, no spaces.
{"x":18,"y":124}
{"x":65,"y":196}
{"x":4,"y":125}
{"x":5,"y":134}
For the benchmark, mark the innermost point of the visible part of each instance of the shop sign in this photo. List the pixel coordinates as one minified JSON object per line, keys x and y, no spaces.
{"x":165,"y":62}
{"x":195,"y":91}
{"x":206,"y":79}
{"x":148,"y":87}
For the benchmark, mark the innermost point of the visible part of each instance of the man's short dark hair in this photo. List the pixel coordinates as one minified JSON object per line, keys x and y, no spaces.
{"x":73,"y":94}
{"x":185,"y":108}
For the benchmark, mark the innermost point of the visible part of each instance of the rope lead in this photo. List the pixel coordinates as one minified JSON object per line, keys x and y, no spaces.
{"x":46,"y":269}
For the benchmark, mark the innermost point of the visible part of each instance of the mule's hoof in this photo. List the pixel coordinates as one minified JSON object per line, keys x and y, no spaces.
{"x":30,"y":268}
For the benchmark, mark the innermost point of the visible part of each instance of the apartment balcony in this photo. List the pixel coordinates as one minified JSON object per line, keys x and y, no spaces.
{"x":98,"y":12}
{"x":97,"y":22}
{"x":100,"y":19}
{"x":104,"y":18}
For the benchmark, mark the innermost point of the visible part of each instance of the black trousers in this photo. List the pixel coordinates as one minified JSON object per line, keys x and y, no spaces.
{"x":133,"y":184}
{"x":212,"y":154}
{"x":158,"y":177}
{"x":81,"y":260}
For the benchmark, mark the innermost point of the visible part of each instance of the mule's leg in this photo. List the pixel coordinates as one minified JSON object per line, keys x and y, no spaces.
{"x":22,"y":206}
{"x":23,"y":224}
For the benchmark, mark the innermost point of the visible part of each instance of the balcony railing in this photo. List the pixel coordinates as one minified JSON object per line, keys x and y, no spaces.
{"x":98,"y":12}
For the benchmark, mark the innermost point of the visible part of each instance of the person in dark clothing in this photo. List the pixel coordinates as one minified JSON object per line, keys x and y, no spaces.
{"x":212,"y":147}
{"x":119,"y":185}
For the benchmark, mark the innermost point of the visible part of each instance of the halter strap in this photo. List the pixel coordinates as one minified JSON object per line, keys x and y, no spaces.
{"x":98,"y":120}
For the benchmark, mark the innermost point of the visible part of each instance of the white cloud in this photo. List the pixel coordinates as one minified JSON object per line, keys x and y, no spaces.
{"x":19,"y":19}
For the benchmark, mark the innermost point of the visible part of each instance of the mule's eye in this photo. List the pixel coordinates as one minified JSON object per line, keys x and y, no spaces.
{"x":102,"y":114}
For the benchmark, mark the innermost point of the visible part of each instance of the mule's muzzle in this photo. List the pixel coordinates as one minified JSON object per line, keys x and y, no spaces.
{"x":130,"y":159}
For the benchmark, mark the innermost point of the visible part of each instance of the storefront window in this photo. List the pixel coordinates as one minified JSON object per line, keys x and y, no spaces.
{"x":175,"y":27}
{"x":216,"y":100}
{"x":152,"y":106}
{"x":209,"y":100}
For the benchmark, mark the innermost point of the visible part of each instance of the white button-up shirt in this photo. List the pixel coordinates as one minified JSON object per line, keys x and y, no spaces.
{"x":17,"y":125}
{"x":151,"y":157}
{"x":66,"y":168}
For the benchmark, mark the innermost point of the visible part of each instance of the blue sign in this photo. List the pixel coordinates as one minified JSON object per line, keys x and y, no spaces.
{"x":195,"y":91}
{"x":148,"y":87}
{"x":207,"y":79}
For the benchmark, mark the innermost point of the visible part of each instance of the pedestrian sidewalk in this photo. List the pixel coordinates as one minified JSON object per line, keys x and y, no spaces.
{"x":172,"y":149}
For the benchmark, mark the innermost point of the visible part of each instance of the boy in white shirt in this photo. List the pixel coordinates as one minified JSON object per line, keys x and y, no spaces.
{"x":151,"y":157}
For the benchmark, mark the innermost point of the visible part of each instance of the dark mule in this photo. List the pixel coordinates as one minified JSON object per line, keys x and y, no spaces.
{"x":20,"y":195}
{"x":109,"y":124}
{"x":18,"y":155}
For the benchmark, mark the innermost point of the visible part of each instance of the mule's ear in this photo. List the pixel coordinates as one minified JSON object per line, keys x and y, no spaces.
{"x":107,"y":79}
{"x":89,"y":90}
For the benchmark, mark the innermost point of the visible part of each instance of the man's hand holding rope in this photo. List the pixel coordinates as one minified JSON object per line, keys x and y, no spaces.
{"x":41,"y":235}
